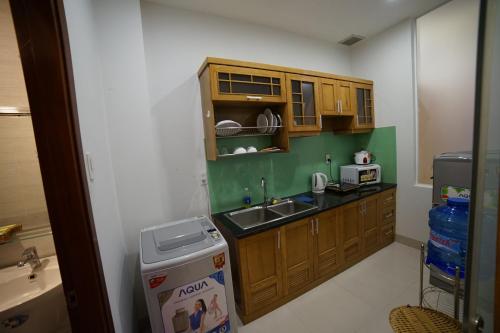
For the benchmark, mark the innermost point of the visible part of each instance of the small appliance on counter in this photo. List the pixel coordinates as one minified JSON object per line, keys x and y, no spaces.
{"x":360,"y":174}
{"x":319,"y":181}
{"x":342,"y":187}
{"x":452,"y":174}
{"x":363,"y":157}
{"x":186,"y":272}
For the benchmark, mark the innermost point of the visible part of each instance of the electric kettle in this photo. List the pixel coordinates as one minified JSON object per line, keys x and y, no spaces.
{"x":319,"y":181}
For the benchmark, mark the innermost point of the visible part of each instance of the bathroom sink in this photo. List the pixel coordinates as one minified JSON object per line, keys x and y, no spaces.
{"x":252,"y":217}
{"x":290,"y":207}
{"x":258,"y":215}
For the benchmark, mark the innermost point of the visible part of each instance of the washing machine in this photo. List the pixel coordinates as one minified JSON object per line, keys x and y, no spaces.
{"x":186,"y":277}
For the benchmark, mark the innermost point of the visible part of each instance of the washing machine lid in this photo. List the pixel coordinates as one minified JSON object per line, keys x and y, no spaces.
{"x":169,"y":238}
{"x":177,"y":239}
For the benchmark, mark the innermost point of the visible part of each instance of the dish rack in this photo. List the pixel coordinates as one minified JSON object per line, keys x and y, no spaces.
{"x":237,"y":131}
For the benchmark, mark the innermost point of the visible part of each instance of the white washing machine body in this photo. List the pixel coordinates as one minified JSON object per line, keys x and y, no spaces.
{"x":186,"y":276}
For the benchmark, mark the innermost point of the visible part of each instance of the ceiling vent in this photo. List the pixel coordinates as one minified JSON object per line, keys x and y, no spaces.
{"x":352,"y":39}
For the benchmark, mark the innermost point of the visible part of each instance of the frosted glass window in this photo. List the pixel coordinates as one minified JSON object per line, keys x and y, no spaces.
{"x":446,"y":67}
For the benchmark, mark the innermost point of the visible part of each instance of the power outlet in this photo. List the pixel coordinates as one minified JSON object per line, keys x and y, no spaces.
{"x":328,"y":158}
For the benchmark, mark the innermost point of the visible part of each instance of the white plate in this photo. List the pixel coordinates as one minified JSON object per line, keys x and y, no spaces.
{"x":275,"y":123}
{"x":262,"y":123}
{"x":227,"y":128}
{"x":280,"y":122}
{"x":269,"y":115}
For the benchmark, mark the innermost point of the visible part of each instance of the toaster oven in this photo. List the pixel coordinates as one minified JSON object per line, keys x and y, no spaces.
{"x":360,"y":174}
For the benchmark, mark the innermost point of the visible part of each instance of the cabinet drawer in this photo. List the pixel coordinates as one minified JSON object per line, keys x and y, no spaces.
{"x":387,"y":234}
{"x":388,"y":198}
{"x":388,"y":214}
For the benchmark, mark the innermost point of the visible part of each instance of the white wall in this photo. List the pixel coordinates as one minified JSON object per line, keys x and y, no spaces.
{"x":446,"y":50}
{"x":176,"y":43}
{"x":87,"y":69}
{"x":387,"y":59}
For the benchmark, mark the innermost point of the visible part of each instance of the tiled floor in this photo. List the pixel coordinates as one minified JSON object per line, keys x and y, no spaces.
{"x":357,"y":300}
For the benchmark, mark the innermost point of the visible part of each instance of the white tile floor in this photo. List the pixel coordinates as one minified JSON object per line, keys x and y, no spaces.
{"x":357,"y":300}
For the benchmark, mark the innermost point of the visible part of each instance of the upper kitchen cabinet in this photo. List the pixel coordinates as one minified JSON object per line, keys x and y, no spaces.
{"x":303,"y":104}
{"x":364,"y":106}
{"x":336,"y":98}
{"x":242,"y":84}
{"x":363,"y":114}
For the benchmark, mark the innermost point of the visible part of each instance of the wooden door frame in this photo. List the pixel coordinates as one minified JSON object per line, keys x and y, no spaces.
{"x":46,"y":60}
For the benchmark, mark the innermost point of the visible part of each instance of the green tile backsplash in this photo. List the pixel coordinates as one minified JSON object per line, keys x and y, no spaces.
{"x":290,"y":173}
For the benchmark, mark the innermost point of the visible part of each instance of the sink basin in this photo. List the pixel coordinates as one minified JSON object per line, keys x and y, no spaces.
{"x":290,"y":207}
{"x":254,"y":216}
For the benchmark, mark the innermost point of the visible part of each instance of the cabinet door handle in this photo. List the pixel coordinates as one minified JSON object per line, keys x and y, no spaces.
{"x":341,"y":108}
{"x":388,"y":233}
{"x":388,"y":215}
{"x":338,"y":106}
{"x":208,"y":114}
{"x":279,"y":239}
{"x":312,"y":227}
{"x":254,"y":98}
{"x":317,"y":226}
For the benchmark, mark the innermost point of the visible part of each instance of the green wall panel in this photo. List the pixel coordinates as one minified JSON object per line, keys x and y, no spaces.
{"x":290,"y":173}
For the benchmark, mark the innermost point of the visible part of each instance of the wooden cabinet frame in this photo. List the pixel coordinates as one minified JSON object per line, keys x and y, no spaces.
{"x":317,"y":106}
{"x":218,"y":96}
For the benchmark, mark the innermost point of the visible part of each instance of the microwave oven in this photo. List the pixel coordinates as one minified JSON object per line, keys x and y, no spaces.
{"x":360,"y":174}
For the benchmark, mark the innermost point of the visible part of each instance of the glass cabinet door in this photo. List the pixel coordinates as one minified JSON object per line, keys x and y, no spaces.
{"x":364,"y":106}
{"x":303,"y":97}
{"x":231,"y":83}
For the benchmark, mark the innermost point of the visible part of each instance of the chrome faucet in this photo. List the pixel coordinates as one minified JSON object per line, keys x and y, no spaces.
{"x":264,"y":187}
{"x":30,"y":255}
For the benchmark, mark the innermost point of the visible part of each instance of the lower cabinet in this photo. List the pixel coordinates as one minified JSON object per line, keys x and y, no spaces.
{"x":274,"y":266}
{"x":297,"y":240}
{"x":327,"y":253}
{"x":261,"y":274}
{"x":370,"y":224}
{"x":352,"y":237}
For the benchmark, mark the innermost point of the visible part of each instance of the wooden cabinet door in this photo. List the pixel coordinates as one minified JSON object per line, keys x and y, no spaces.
{"x":343,"y":93}
{"x":242,"y":84}
{"x":297,"y":254}
{"x":370,"y":218}
{"x":351,"y":233}
{"x":362,"y":95}
{"x":329,"y":102}
{"x":327,"y":256}
{"x":261,"y":269}
{"x":303,"y":103}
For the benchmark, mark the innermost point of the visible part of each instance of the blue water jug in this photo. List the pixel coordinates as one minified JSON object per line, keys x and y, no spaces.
{"x":447,"y":244}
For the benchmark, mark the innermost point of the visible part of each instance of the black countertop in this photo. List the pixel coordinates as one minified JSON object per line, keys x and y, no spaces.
{"x":325,"y":201}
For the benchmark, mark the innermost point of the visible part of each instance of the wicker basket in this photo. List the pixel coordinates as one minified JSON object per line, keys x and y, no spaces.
{"x":415,"y":319}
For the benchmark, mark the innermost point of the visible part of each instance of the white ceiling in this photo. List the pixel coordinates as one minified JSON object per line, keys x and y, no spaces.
{"x":331,"y":20}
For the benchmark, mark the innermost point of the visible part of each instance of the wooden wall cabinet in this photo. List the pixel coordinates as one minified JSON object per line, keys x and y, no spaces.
{"x":336,"y":98}
{"x":240,"y":91}
{"x":303,"y":104}
{"x":243,"y":84}
{"x":362,"y":94}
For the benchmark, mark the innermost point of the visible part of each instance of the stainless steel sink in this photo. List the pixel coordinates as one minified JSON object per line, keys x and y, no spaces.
{"x":291,"y":207}
{"x":258,"y":215}
{"x":252,"y":217}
